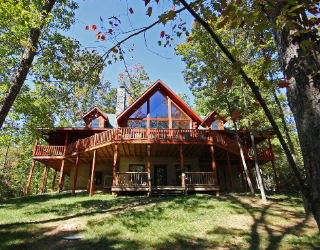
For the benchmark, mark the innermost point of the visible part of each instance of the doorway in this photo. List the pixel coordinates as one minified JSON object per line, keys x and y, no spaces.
{"x":160,"y":175}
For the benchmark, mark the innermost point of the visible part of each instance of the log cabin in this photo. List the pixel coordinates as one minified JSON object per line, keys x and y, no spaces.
{"x":157,"y":145}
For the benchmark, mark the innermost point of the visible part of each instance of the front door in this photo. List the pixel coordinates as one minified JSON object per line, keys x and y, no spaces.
{"x":160,"y":175}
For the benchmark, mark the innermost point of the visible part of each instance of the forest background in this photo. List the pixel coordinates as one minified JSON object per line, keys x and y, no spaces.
{"x":61,"y":87}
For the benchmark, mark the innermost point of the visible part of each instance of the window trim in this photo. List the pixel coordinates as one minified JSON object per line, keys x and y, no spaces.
{"x":95,"y":175}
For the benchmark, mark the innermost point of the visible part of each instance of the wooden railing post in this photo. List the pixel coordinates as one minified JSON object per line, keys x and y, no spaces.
{"x":35,"y":147}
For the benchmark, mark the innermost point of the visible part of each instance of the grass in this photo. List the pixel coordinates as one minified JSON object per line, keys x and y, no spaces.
{"x":234,"y":221}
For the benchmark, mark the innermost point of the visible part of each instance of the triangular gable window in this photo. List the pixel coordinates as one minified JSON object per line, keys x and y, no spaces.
{"x":158,"y":106}
{"x":155,"y":113}
{"x":176,"y":113}
{"x":141,"y":112}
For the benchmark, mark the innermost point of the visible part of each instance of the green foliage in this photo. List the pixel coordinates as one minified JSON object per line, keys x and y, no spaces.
{"x":135,"y":80}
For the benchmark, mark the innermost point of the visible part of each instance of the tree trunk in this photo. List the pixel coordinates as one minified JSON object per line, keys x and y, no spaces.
{"x":241,"y":153}
{"x":5,"y":157}
{"x":312,"y":164}
{"x":303,"y":96}
{"x":24,"y":64}
{"x":263,"y":194}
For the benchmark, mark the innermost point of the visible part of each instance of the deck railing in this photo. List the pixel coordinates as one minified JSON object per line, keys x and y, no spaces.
{"x":119,"y":134}
{"x":49,"y":150}
{"x":132,"y":179}
{"x":261,"y":152}
{"x":199,"y":178}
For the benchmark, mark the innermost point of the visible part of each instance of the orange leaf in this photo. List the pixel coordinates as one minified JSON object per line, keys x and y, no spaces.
{"x":242,"y":24}
{"x":103,"y":37}
{"x":146,"y":2}
{"x":256,"y":124}
{"x":131,"y":10}
{"x":87,"y":27}
{"x":235,"y":115}
{"x":212,"y":26}
{"x":229,"y":82}
{"x":162,"y":34}
{"x":268,"y":59}
{"x":157,"y":1}
{"x":94,"y":27}
{"x":149,"y":11}
{"x":284,"y":84}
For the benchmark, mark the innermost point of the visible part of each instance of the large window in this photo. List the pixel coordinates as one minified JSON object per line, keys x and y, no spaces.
{"x":159,"y":108}
{"x":215,"y":125}
{"x":95,"y":123}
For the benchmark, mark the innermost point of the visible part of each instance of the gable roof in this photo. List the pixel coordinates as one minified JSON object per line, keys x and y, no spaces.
{"x":159,"y":85}
{"x":212,"y":114}
{"x":97,"y":110}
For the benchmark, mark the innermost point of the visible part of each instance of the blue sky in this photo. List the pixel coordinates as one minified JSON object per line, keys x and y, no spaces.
{"x":159,"y":62}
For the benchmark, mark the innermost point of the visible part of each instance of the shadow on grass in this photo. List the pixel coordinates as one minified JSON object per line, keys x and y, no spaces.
{"x":135,"y":214}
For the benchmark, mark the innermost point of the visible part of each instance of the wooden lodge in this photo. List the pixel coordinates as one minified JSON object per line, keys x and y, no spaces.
{"x":156,"y":145}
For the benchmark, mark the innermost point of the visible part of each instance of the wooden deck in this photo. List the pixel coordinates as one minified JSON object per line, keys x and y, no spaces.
{"x":147,"y":136}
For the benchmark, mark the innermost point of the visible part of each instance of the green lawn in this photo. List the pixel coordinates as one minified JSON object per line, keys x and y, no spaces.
{"x":191,"y":222}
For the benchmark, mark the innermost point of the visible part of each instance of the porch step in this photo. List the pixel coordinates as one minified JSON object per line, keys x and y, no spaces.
{"x":159,"y":192}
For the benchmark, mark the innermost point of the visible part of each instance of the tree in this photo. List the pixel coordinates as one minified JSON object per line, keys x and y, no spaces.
{"x":30,"y":50}
{"x":135,"y":80}
{"x":296,"y":40}
{"x":298,"y":22}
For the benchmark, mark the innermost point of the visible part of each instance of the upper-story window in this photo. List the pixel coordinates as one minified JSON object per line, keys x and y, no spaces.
{"x":159,"y":112}
{"x":95,"y":123}
{"x":215,"y":125}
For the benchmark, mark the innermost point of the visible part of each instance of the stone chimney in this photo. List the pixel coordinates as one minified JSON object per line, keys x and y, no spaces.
{"x":121,"y":100}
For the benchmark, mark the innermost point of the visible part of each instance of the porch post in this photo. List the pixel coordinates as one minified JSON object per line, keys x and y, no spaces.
{"x":229,"y":169}
{"x":75,"y":176}
{"x":242,"y":176}
{"x":149,"y":172}
{"x":89,"y":178}
{"x":214,"y":167}
{"x":93,"y":172}
{"x":29,"y":179}
{"x":43,"y":179}
{"x":114,"y":167}
{"x":54,"y":180}
{"x":276,"y":176}
{"x":32,"y":168}
{"x":60,"y":186}
{"x":183,"y":181}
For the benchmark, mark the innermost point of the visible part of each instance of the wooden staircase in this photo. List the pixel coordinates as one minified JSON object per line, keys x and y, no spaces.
{"x":167,"y":191}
